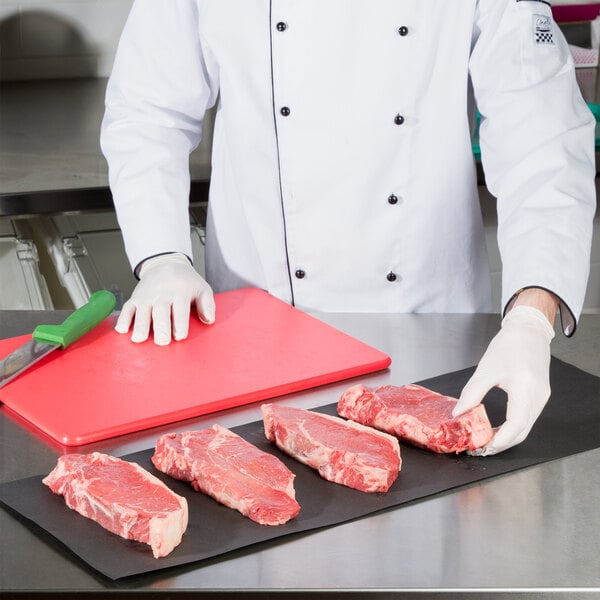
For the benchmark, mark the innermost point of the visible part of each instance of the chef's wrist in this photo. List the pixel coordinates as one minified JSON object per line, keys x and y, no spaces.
{"x":543,"y":300}
{"x":157,"y":258}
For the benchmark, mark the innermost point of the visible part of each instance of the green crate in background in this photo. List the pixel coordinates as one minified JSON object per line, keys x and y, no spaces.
{"x":595,"y":108}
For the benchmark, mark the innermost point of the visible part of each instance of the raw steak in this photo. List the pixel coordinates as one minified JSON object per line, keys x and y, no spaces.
{"x":417,"y":415}
{"x":341,"y":451}
{"x":234,"y":472}
{"x":122,"y":497}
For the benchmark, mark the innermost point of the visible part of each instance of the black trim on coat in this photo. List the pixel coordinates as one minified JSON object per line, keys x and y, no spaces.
{"x":540,"y":1}
{"x":285,"y":241}
{"x":138,"y":267}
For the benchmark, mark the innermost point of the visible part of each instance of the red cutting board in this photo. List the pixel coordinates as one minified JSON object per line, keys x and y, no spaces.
{"x":104,"y":385}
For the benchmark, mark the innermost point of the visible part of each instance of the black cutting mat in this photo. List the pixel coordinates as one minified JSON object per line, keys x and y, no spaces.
{"x":569,"y":424}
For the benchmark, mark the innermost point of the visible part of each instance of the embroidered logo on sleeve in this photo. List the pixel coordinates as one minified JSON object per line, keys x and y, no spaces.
{"x":542,"y":30}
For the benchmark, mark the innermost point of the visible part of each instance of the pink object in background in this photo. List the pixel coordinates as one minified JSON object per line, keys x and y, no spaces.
{"x":576,"y":12}
{"x":584,"y":57}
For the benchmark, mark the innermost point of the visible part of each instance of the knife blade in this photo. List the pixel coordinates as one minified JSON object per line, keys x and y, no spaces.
{"x":47,"y":338}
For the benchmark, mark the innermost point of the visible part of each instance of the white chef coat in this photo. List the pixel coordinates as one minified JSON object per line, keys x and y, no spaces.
{"x":343,"y":176}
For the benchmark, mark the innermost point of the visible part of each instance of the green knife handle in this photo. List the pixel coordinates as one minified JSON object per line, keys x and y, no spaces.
{"x":99,"y":306}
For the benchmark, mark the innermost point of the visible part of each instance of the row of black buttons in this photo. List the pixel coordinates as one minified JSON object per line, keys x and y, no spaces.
{"x":285,"y":111}
{"x":301,"y":274}
{"x":403,"y":30}
{"x":398,"y":120}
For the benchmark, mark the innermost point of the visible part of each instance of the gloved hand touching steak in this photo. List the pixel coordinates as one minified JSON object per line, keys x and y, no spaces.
{"x":518,"y":361}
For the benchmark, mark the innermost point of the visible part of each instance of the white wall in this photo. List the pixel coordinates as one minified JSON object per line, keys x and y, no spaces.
{"x":50,"y":39}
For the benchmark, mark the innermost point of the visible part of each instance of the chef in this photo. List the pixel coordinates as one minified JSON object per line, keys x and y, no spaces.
{"x":343,"y":177}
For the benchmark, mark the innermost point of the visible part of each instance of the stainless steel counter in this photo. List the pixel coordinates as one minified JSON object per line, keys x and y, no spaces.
{"x":532,"y":533}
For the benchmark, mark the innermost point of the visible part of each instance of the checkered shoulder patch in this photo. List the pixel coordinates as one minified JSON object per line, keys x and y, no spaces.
{"x":542,"y":30}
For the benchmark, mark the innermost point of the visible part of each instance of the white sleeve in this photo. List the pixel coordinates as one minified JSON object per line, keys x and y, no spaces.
{"x":158,"y":92}
{"x":537,"y":144}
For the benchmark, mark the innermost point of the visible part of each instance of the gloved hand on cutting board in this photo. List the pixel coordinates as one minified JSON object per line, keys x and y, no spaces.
{"x":518,"y":361}
{"x":168,"y":287}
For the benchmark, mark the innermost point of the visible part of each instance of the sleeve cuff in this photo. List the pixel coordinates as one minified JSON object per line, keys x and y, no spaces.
{"x":138,"y":267}
{"x":568,"y":322}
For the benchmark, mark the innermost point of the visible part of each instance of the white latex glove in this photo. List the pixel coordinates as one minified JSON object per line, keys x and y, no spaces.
{"x":168,"y":287}
{"x":518,"y":361}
